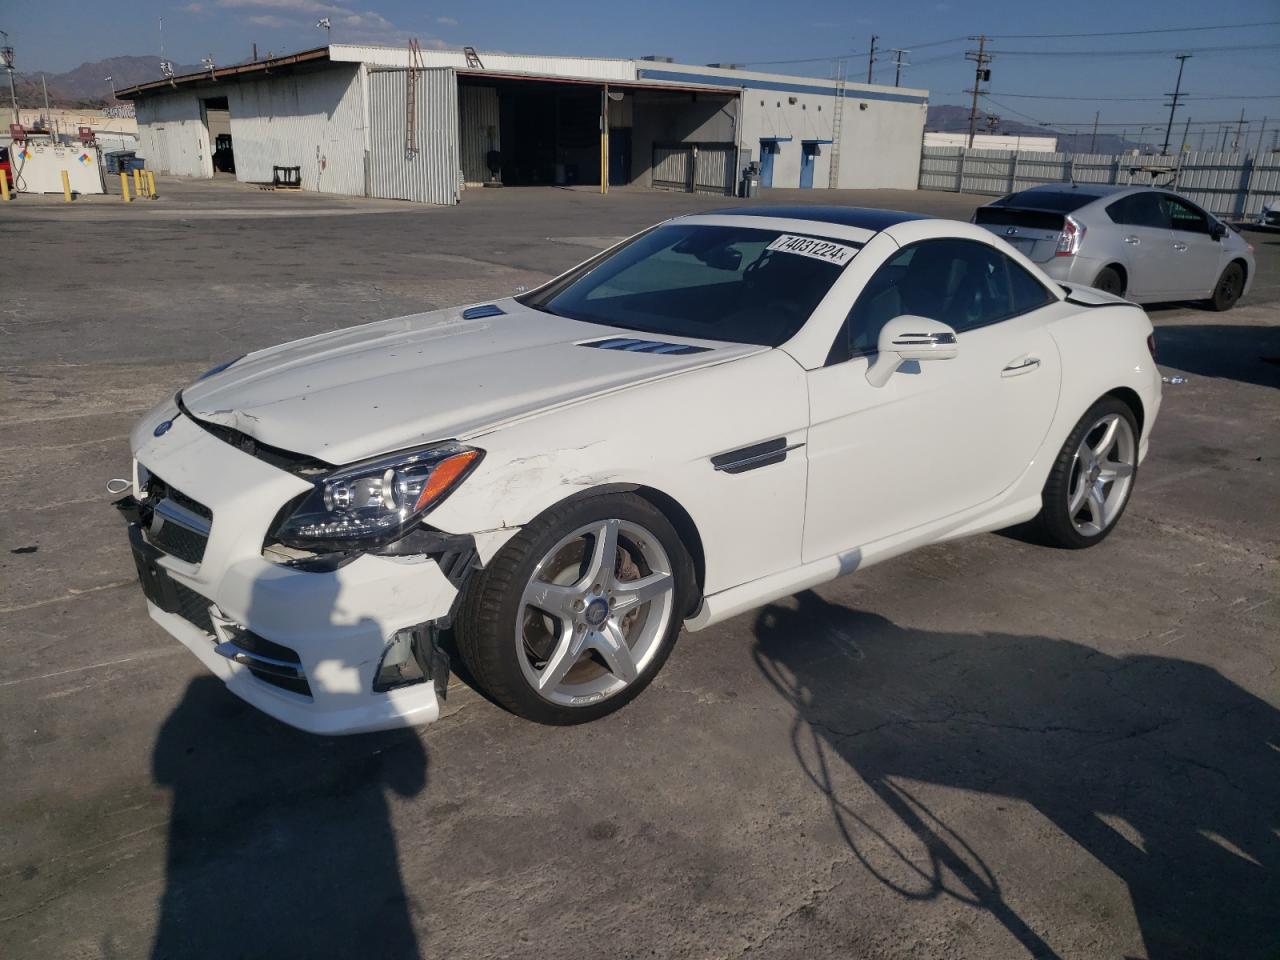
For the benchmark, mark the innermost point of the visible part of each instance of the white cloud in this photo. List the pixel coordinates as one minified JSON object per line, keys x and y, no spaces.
{"x":447,"y":21}
{"x":349,"y":25}
{"x":192,"y":8}
{"x":270,"y":21}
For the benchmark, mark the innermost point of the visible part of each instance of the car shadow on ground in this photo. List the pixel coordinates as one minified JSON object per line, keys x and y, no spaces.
{"x":1249,"y":354}
{"x":280,"y":842}
{"x":1161,"y":769}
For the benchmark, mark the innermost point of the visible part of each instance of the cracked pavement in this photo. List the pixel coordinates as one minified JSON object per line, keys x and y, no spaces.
{"x":981,"y":749}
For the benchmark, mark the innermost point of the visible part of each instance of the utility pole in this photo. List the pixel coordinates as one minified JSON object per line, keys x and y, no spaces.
{"x":1093,"y":141}
{"x":6,"y":52}
{"x":1239,"y":131}
{"x":871,"y":57}
{"x":980,"y":75}
{"x":1225,"y":130}
{"x":1261,"y":132}
{"x":897,"y":66}
{"x":1177,"y":93}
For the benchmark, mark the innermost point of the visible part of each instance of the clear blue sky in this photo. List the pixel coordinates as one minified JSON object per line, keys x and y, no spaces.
{"x":57,"y":35}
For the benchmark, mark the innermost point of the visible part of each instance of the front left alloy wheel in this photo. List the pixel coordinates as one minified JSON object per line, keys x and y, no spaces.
{"x":575,"y":616}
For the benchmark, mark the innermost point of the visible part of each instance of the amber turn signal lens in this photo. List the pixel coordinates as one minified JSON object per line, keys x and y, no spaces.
{"x":444,"y":476}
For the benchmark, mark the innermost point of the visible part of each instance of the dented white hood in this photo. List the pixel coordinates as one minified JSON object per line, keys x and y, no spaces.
{"x":386,"y":386}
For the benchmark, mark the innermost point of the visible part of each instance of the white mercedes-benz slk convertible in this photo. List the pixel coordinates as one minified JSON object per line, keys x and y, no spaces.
{"x":720,"y":411}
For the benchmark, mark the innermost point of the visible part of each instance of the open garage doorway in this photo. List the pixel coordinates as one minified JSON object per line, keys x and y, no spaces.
{"x":521,"y":131}
{"x":217,"y":121}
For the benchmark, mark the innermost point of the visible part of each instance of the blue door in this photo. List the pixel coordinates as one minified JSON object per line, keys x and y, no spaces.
{"x":809,"y":151}
{"x":767,"y":150}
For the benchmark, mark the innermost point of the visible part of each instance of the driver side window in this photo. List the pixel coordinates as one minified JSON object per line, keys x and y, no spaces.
{"x":963,"y":283}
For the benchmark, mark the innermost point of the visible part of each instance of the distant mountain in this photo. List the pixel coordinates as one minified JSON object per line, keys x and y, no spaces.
{"x":947,"y":118}
{"x":87,"y":86}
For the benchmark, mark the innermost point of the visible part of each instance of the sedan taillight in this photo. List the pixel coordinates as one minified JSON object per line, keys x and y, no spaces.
{"x":1151,"y":345}
{"x":1069,"y":239}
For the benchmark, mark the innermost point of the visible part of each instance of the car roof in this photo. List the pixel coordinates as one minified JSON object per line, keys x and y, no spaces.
{"x":1085,"y":189}
{"x":864,"y":218}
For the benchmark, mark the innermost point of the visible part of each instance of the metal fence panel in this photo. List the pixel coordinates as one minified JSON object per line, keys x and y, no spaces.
{"x":431,"y":173}
{"x":672,"y":166}
{"x":1227,"y":184}
{"x":713,"y":168}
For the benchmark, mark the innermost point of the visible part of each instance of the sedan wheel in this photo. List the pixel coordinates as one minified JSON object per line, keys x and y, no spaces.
{"x":1092,"y":478}
{"x":594,"y":613}
{"x":576,"y":615}
{"x":1102,"y":475}
{"x":1230,"y":286}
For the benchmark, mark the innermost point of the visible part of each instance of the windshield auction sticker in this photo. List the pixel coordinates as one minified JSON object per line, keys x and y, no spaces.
{"x":837,"y":253}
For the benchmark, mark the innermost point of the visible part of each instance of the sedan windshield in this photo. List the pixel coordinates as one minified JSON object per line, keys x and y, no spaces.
{"x":736,"y":284}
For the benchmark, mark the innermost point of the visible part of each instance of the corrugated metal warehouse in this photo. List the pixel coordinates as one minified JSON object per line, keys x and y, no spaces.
{"x":382,"y":122}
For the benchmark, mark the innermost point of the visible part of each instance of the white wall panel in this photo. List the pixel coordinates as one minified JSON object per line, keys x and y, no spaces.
{"x":313,"y":120}
{"x":172,"y":135}
{"x":431,"y":173}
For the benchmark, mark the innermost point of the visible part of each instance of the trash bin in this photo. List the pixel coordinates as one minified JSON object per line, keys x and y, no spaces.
{"x":117,"y":159}
{"x":751,"y":179}
{"x":133,"y":162}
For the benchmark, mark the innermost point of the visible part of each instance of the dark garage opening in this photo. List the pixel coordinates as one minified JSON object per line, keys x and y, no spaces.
{"x":537,"y":132}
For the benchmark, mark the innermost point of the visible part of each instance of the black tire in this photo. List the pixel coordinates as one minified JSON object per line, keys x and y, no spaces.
{"x":1229,"y":287}
{"x":486,"y":622}
{"x":1053,"y":526}
{"x":1109,"y":280}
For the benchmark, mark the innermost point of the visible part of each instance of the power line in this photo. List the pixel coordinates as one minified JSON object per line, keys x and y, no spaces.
{"x":1135,"y":53}
{"x":1213,"y":96}
{"x":1135,"y":33}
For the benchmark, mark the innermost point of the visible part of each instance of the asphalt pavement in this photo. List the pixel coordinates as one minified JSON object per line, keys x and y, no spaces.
{"x":982,"y":749}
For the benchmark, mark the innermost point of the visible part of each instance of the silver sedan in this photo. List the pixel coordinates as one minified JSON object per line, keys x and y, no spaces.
{"x":1145,"y":244}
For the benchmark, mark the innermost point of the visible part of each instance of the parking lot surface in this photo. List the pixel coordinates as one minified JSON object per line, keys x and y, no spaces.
{"x":982,"y":749}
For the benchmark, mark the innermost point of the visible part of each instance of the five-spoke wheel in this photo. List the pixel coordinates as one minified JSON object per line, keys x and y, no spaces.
{"x":577,"y":613}
{"x":1092,"y":478}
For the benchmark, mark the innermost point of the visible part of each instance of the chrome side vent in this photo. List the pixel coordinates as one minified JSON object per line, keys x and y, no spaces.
{"x":632,"y":345}
{"x":487,"y":310}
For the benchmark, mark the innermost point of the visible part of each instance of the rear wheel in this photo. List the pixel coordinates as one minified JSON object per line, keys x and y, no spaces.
{"x":1109,"y":280}
{"x":1092,"y":478}
{"x":1230,"y":286}
{"x":576,"y":615}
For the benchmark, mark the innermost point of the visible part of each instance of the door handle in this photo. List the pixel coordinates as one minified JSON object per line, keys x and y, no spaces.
{"x":1134,"y":240}
{"x":1018,"y":367}
{"x":1179,"y":245}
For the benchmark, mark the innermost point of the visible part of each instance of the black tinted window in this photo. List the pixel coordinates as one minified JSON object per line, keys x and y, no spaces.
{"x":743,"y":285}
{"x":1139,"y":210}
{"x":1059,"y":201}
{"x":1183,"y":216}
{"x":962,"y":283}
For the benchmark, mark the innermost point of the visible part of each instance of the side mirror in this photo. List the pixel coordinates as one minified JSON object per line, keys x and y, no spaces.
{"x":910,"y":338}
{"x":1217,"y":229}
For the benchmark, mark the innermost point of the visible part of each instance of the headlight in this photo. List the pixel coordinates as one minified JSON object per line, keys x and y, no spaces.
{"x":378,"y":501}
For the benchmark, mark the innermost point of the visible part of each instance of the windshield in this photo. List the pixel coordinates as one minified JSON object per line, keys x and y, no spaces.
{"x":736,"y":284}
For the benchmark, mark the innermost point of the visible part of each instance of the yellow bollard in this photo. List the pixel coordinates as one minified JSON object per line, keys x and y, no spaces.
{"x":151,"y":185}
{"x":66,"y":187}
{"x":124,"y":186}
{"x":137,"y":182}
{"x":4,"y":187}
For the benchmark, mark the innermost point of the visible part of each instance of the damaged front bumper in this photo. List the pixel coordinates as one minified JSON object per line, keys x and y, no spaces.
{"x":346,"y":650}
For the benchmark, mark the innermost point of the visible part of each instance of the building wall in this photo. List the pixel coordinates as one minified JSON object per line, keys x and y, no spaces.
{"x":172,"y":135}
{"x":313,"y":120}
{"x":880,"y":143}
{"x":992,"y":141}
{"x":594,"y":68}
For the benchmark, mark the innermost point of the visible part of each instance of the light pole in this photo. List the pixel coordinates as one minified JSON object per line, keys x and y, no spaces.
{"x":325,"y":24}
{"x":113,"y":86}
{"x":6,"y":52}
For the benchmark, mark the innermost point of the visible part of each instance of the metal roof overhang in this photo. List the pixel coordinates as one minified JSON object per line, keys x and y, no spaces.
{"x":807,"y":140}
{"x":205,"y":76}
{"x":612,"y":84}
{"x":776,"y":139}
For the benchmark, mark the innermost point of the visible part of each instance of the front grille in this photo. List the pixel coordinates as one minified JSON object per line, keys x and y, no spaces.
{"x":172,"y":535}
{"x":179,"y":542}
{"x":193,"y":608}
